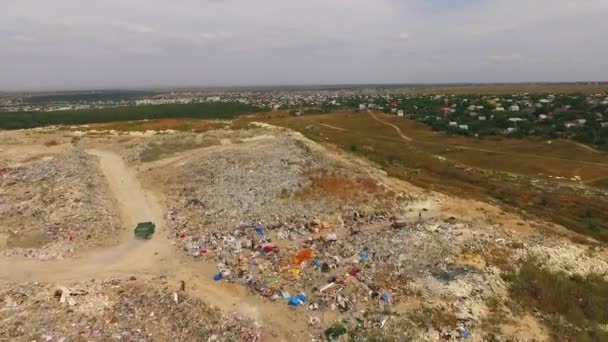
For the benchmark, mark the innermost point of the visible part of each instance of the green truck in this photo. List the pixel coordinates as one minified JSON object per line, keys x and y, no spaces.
{"x":144,"y":230}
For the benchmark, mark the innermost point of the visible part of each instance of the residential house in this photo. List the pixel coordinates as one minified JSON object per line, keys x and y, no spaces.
{"x":514,"y":108}
{"x":464,"y":127}
{"x":400,"y":112}
{"x":604,"y":124}
{"x":482,"y":118}
{"x":453,"y":123}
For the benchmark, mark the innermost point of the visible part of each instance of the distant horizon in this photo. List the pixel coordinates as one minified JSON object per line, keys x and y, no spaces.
{"x":319,"y":86}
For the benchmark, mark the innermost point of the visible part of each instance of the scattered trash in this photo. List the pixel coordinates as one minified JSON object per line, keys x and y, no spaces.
{"x":260,"y":230}
{"x":298,"y":299}
{"x":327,"y":287}
{"x":302,"y":256}
{"x":65,"y":295}
{"x":464,"y":333}
{"x":217,"y":277}
{"x":386,"y":297}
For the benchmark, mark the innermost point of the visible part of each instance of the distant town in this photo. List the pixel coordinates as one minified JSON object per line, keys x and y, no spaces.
{"x":580,"y":117}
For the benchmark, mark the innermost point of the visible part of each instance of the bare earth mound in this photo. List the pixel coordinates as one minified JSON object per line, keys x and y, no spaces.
{"x":48,"y":203}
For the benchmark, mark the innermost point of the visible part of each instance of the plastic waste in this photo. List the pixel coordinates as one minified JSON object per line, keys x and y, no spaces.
{"x":363,"y":256}
{"x":386,"y":297}
{"x":464,"y":333}
{"x":303,"y":255}
{"x":298,"y":299}
{"x":259,"y":229}
{"x":354,"y":271}
{"x":217,"y":277}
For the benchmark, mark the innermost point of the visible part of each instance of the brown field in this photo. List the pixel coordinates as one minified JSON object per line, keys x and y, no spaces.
{"x":193,"y":125}
{"x":519,"y":173}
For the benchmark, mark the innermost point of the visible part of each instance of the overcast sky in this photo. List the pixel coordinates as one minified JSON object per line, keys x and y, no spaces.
{"x":72,"y":44}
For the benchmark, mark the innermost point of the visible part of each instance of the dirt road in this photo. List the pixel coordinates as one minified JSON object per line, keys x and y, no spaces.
{"x":399,"y":132}
{"x":152,"y":257}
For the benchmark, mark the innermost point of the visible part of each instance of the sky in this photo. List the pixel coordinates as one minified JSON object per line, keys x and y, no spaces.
{"x":76,"y":44}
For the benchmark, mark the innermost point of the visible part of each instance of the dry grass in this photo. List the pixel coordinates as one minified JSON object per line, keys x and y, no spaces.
{"x":158,"y":150}
{"x":188,"y":125}
{"x":437,"y":318}
{"x":581,"y":301}
{"x":51,"y":143}
{"x":344,"y":188}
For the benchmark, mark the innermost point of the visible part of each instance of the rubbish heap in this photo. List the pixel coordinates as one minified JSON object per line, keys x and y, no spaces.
{"x":50,"y":203}
{"x":115,"y":309}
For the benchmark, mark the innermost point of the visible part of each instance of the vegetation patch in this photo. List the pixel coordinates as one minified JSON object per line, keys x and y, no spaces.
{"x":223,"y":110}
{"x":502,"y":196}
{"x":576,"y":306}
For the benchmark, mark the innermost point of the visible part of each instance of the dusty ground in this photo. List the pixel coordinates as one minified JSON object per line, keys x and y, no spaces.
{"x":375,"y":254}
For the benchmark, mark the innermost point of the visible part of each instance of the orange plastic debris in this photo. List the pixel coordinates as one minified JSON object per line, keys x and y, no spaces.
{"x":303,"y":255}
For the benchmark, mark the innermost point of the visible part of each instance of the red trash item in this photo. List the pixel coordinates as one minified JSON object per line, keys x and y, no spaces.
{"x":353,"y":271}
{"x":269,"y":248}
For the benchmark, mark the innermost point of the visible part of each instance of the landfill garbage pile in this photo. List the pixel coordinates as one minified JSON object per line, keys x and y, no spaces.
{"x":50,"y":205}
{"x":267,"y":181}
{"x":363,"y":269}
{"x":115,"y":310}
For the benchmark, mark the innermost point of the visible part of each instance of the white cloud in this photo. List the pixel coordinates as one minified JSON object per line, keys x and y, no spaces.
{"x":313,"y":41}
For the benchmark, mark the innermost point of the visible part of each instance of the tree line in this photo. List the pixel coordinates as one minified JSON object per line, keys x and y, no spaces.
{"x":219,"y":110}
